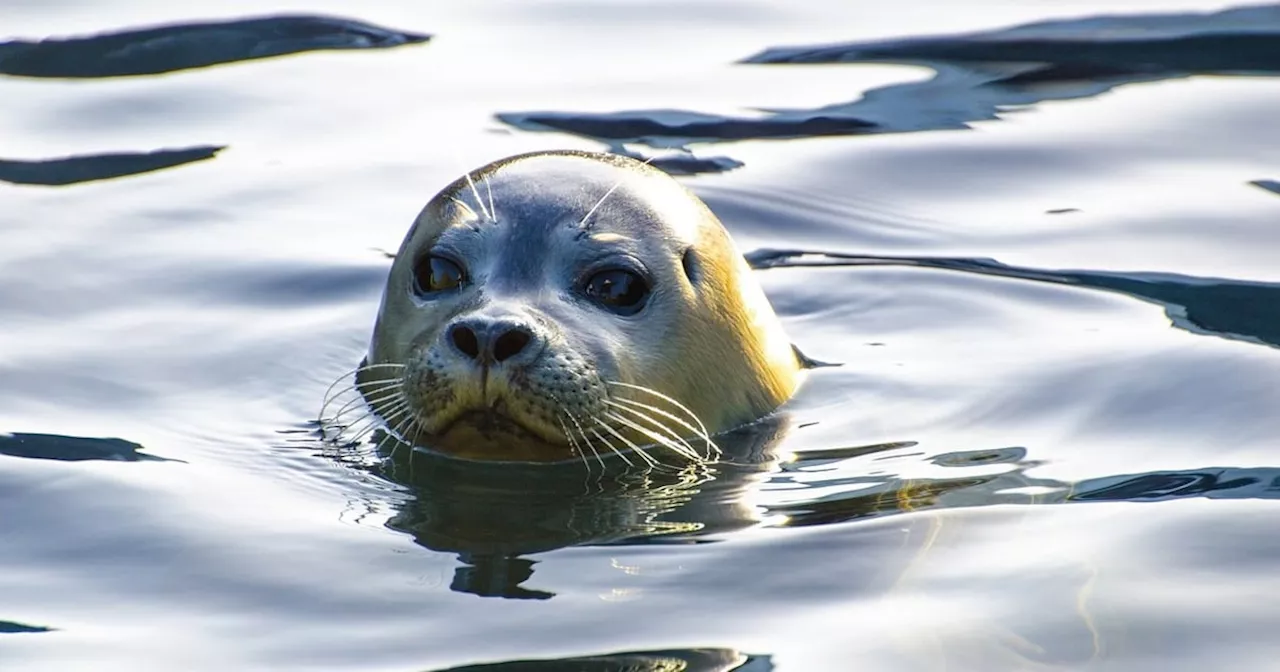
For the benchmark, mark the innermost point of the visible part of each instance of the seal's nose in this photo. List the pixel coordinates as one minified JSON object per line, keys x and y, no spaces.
{"x":490,"y":340}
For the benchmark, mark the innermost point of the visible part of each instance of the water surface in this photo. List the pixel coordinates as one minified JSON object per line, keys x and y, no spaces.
{"x":1040,"y":241}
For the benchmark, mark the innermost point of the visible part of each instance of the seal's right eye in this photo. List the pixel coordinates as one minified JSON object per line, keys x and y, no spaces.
{"x":619,"y":290}
{"x":437,"y":274}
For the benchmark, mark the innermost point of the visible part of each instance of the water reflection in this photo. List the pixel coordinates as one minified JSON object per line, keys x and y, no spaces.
{"x":1239,"y":310}
{"x":492,"y":516}
{"x":976,"y":77}
{"x":674,"y":660}
{"x":91,"y":167}
{"x":73,"y":448}
{"x":182,"y":46}
{"x":495,"y":518}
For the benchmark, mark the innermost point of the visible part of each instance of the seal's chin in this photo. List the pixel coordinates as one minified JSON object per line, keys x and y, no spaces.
{"x":492,"y":435}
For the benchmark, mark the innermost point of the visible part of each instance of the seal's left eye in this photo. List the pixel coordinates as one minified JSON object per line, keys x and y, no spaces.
{"x":437,"y":274}
{"x":620,"y":291}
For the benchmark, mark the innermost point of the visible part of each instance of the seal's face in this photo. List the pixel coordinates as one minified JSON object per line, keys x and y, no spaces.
{"x":555,"y":305}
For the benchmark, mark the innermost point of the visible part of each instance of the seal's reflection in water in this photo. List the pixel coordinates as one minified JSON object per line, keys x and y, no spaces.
{"x":495,"y":515}
{"x":677,"y":660}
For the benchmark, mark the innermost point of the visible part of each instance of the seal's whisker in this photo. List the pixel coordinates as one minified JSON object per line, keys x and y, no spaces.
{"x":655,"y":437}
{"x":384,"y":395}
{"x":479,"y":201}
{"x":671,"y":434}
{"x":415,"y":424}
{"x":381,"y":365}
{"x":493,"y":212}
{"x":353,"y":372}
{"x":701,"y":430}
{"x":581,"y":432}
{"x":575,"y":447}
{"x":399,"y":404}
{"x":631,"y":404}
{"x":377,"y":421}
{"x":395,"y":421}
{"x":660,"y":439}
{"x":608,"y":193}
{"x":330,"y":395}
{"x":612,"y":447}
{"x":361,"y":369}
{"x":372,"y":418}
{"x":380,"y":386}
{"x":333,"y":427}
{"x":396,"y":402}
{"x":573,"y":442}
{"x":464,"y":206}
{"x":639,"y":451}
{"x":586,"y":441}
{"x":337,"y":418}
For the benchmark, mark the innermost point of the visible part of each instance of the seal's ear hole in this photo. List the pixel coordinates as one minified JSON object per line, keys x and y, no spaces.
{"x":690,"y":264}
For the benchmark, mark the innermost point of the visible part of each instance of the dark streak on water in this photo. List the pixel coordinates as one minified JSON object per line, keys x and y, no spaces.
{"x":10,"y":628}
{"x":73,"y":448}
{"x":1233,"y":309}
{"x":92,"y":167}
{"x":183,"y":46}
{"x":649,"y":127}
{"x":1272,"y":186}
{"x":684,"y":660}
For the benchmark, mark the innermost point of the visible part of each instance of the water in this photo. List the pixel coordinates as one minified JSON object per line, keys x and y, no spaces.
{"x":1053,"y":290}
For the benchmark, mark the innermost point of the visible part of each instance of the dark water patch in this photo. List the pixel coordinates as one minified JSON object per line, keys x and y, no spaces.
{"x":867,"y":492}
{"x":808,"y":458}
{"x":92,"y":167}
{"x":977,"y":77}
{"x":73,"y":448}
{"x":683,"y":164}
{"x":655,"y":127}
{"x":1233,"y":309}
{"x":10,"y":628}
{"x":1272,"y":186}
{"x":183,"y":46}
{"x":1211,"y":483}
{"x":1115,"y":47}
{"x":683,"y":660}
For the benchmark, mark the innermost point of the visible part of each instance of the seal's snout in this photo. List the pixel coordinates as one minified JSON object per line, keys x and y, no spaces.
{"x":492,"y":340}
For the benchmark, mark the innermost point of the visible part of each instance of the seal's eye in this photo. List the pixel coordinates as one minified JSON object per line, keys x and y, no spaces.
{"x":620,"y":291}
{"x":437,"y":274}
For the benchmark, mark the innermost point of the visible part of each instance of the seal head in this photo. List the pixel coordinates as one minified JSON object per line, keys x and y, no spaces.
{"x":555,"y":305}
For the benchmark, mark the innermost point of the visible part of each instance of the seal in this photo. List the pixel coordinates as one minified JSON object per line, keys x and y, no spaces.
{"x":562,"y":305}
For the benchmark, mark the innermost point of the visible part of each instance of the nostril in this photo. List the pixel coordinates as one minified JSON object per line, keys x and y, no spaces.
{"x":510,"y":344}
{"x":464,"y":339}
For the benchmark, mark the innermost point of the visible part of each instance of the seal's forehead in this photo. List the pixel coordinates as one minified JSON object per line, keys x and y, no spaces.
{"x":561,"y":187}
